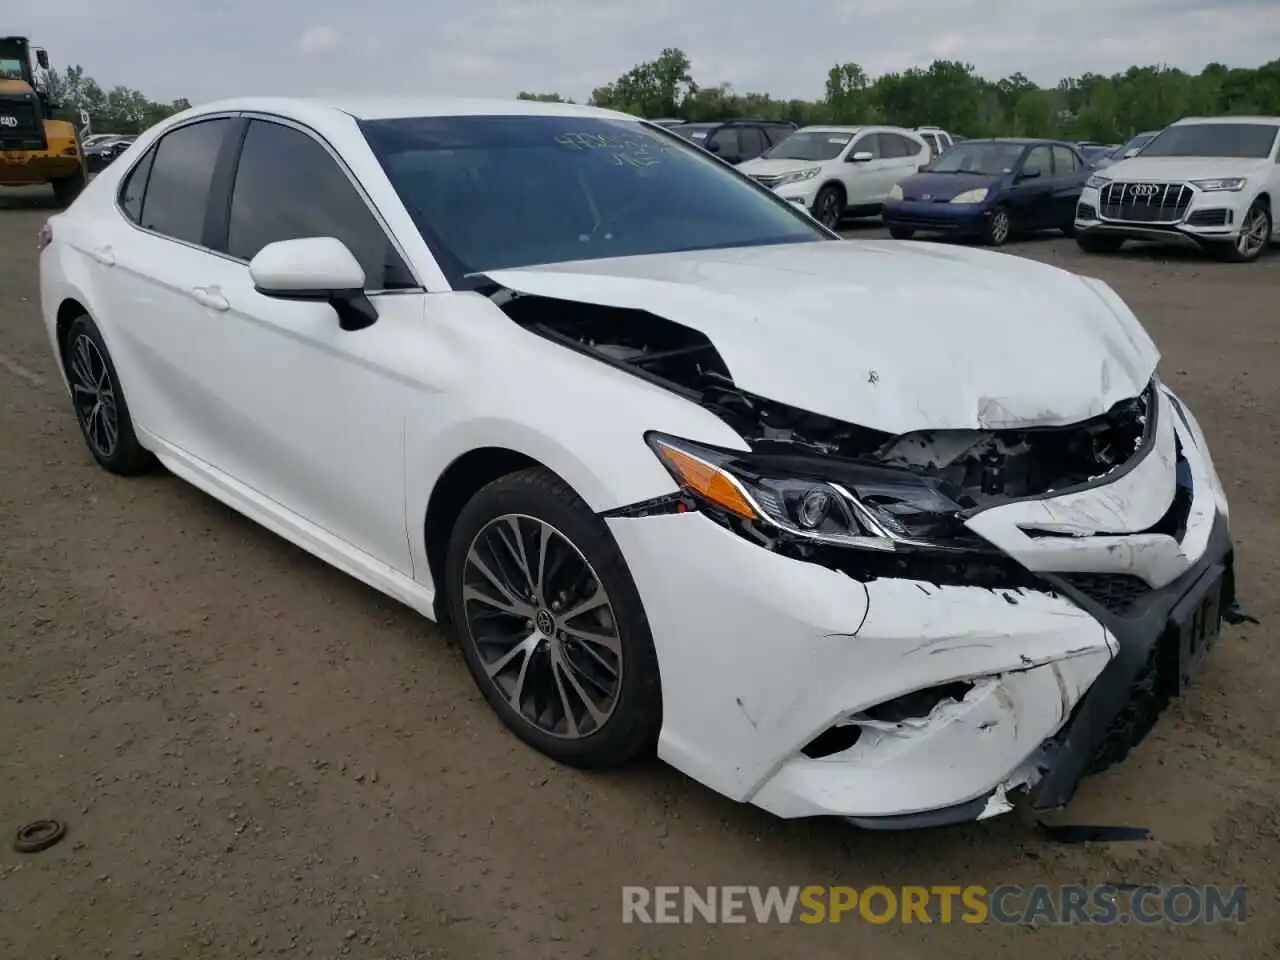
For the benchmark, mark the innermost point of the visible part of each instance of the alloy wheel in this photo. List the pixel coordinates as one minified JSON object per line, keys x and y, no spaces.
{"x":829,"y":215}
{"x":1255,"y":235}
{"x":999,"y":227}
{"x":542,"y":626}
{"x":94,"y":396}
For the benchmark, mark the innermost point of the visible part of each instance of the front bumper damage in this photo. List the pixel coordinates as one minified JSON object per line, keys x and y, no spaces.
{"x":900,"y":703}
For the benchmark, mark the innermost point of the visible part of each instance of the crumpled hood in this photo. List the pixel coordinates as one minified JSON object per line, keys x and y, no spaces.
{"x":1163,"y":169}
{"x":892,"y":336}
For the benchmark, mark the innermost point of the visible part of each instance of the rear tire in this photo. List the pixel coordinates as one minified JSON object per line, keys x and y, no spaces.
{"x":535,"y":662}
{"x":1092,"y":243}
{"x":67,"y":189}
{"x":901,"y":233}
{"x":99,"y":402}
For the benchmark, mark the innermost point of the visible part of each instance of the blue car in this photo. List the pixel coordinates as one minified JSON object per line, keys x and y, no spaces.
{"x":991,"y":189}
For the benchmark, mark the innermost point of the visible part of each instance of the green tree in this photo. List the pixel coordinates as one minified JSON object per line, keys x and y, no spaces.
{"x":118,"y":110}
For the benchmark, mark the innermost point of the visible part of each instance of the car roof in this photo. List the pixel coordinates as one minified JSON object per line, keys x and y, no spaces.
{"x":825,"y":128}
{"x":392,"y":108}
{"x":1190,"y":121}
{"x":1025,"y":141}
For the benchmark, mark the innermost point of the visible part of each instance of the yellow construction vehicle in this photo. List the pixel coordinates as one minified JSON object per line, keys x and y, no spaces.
{"x":35,"y":147}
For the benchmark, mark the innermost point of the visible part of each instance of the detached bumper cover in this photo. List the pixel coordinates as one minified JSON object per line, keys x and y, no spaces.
{"x":762,"y":655}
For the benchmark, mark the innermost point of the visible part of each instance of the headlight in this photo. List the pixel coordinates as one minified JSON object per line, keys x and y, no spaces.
{"x":1225,"y":183}
{"x":971,"y":196}
{"x":842,"y":503}
{"x":1097,"y":182}
{"x":796,"y":176}
{"x":895,"y":192}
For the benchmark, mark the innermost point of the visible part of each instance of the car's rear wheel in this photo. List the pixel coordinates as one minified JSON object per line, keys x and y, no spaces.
{"x":999,"y":228}
{"x":1255,"y":234}
{"x":99,"y":401}
{"x":1093,"y":243}
{"x":901,"y":233}
{"x":551,"y":624}
{"x":68,"y":188}
{"x":828,"y":206}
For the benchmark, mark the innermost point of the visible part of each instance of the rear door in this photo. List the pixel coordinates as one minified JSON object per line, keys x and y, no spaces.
{"x":150,"y":264}
{"x":1069,"y":170}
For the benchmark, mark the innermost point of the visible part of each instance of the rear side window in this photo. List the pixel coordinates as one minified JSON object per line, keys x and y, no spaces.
{"x":177,"y":189}
{"x":134,"y":187}
{"x":288,"y":187}
{"x":898,"y":145}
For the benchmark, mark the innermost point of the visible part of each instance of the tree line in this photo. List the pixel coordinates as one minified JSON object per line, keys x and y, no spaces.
{"x":951,"y":94}
{"x":118,"y":110}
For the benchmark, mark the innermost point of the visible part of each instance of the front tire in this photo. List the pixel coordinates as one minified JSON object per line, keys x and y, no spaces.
{"x":828,"y":206}
{"x":551,"y":624}
{"x":99,"y":401}
{"x":1255,"y":234}
{"x":999,"y":228}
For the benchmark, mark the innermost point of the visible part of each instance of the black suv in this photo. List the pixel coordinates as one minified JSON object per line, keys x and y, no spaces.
{"x":736,"y":141}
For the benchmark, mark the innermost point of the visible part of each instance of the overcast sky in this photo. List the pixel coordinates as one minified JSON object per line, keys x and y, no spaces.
{"x":205,"y":49}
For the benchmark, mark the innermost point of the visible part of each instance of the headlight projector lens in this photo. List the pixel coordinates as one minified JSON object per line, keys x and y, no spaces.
{"x":814,"y":509}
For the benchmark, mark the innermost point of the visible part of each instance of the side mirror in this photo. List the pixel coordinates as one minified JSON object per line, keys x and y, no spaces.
{"x":42,"y":58}
{"x":1132,"y":152}
{"x":315,"y":268}
{"x":1029,"y":175}
{"x":713,"y":146}
{"x":862,"y":156}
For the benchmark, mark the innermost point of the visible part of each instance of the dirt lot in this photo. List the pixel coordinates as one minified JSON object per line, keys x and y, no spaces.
{"x":256,"y":755}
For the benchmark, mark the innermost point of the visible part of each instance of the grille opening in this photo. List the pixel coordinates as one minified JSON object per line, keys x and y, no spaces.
{"x":1145,"y":202}
{"x":831,"y":741}
{"x":1115,"y":592}
{"x":919,"y":703}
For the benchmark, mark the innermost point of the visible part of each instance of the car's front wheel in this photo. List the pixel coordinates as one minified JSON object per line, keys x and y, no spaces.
{"x":100,"y":405}
{"x":1255,"y":234}
{"x":999,"y":228}
{"x":828,"y":206}
{"x":551,"y":624}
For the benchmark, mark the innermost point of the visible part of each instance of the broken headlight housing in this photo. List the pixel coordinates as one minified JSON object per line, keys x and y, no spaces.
{"x":838,"y":502}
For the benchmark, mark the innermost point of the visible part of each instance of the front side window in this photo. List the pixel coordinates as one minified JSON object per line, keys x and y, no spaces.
{"x":495,"y":192}
{"x":812,"y":145}
{"x":1064,"y":162}
{"x":288,"y":187}
{"x":1251,"y":141}
{"x":726,"y":140}
{"x":869,"y":143}
{"x":177,"y":191}
{"x":1038,"y":161}
{"x":752,"y":142}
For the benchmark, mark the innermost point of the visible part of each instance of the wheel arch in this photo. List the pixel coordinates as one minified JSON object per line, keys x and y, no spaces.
{"x":68,"y":310}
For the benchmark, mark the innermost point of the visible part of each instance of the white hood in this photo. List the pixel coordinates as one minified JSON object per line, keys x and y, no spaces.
{"x":771,"y":167}
{"x":1164,"y":169}
{"x":892,"y":336}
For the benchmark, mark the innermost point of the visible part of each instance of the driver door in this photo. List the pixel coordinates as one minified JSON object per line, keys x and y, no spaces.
{"x":1031,"y":197}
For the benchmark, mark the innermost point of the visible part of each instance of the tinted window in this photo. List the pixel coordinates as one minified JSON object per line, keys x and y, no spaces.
{"x":1250,"y":140}
{"x":493,"y":192}
{"x":1038,"y":161}
{"x":870,"y":143}
{"x":288,"y":187}
{"x":727,"y":140}
{"x":135,"y":186}
{"x":899,"y":146}
{"x":1064,"y":162}
{"x":177,"y":195}
{"x":752,"y":142}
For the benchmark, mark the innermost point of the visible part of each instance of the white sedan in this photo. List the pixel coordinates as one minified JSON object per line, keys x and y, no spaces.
{"x":887,"y":531}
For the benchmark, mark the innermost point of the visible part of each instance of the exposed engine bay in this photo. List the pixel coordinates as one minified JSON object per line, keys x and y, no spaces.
{"x":983,"y":467}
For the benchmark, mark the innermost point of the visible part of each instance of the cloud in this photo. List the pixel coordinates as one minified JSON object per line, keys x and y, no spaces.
{"x":205,"y":49}
{"x":319,"y":39}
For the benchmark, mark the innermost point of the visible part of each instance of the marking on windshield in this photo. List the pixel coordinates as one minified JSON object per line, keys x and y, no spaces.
{"x":624,"y":151}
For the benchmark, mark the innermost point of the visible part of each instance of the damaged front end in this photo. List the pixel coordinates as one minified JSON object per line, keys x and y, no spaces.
{"x":1086,"y":547}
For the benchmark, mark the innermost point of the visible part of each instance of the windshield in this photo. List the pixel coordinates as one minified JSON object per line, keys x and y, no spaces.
{"x":11,"y":69}
{"x":1241,"y":140}
{"x":810,"y":145}
{"x":495,"y":192}
{"x":973,"y":156}
{"x":1137,"y":143}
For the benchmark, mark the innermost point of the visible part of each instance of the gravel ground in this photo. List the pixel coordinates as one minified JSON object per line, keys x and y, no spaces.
{"x":256,"y":755}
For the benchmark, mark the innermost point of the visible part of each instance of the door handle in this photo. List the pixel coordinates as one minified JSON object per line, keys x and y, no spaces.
{"x":104,"y":256}
{"x":214,"y":301}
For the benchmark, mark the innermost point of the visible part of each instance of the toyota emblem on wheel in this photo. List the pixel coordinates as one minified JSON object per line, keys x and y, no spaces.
{"x":1143,"y":189}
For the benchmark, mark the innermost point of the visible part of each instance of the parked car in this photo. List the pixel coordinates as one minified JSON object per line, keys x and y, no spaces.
{"x":939,"y":140}
{"x":1093,"y":152}
{"x":838,"y":527}
{"x":736,"y":141}
{"x":669,"y":122}
{"x":839,"y":171}
{"x":1126,"y":150}
{"x":102,"y":153}
{"x":991,"y":189}
{"x":1208,"y":183}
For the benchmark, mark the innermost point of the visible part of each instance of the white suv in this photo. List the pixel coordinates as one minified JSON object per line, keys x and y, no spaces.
{"x":1208,"y":182}
{"x":834,"y":171}
{"x":939,"y":140}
